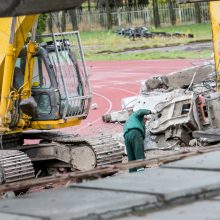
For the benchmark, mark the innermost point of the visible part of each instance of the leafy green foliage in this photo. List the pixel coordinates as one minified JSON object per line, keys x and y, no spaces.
{"x":42,"y":24}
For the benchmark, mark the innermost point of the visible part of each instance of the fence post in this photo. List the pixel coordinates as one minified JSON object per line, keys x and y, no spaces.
{"x":148,"y":16}
{"x":119,"y":17}
{"x":180,"y":15}
{"x":89,"y":19}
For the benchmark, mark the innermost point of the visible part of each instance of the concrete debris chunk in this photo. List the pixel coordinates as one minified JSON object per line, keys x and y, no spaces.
{"x":187,"y":108}
{"x":117,"y":116}
{"x":150,"y":100}
{"x":128,"y":102}
{"x":176,"y":112}
{"x":94,"y":106}
{"x":179,"y":79}
{"x":208,"y":136}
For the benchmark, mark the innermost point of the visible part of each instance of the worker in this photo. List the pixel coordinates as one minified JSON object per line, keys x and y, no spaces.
{"x":134,"y":134}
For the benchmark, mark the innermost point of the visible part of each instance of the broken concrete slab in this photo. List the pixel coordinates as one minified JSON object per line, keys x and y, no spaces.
{"x":5,"y":216}
{"x":174,"y":113}
{"x":179,"y":79}
{"x":152,"y":142}
{"x":179,"y":184}
{"x":159,"y":82}
{"x":185,"y":76}
{"x":208,"y":136}
{"x":74,"y":203}
{"x":117,"y":116}
{"x":128,"y":102}
{"x":150,"y":100}
{"x":208,"y":161}
{"x":202,"y":210}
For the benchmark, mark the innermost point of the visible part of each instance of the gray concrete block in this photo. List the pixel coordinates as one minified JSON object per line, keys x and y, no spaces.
{"x":5,"y":216}
{"x":202,"y":210}
{"x":167,"y":184}
{"x":208,"y":161}
{"x":73,"y":203}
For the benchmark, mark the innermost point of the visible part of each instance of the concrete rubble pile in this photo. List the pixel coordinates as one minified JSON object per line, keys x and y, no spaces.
{"x":187,"y":108}
{"x":144,"y":32}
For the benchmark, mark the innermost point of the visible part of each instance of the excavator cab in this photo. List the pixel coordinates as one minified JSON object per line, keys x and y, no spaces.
{"x":60,"y":85}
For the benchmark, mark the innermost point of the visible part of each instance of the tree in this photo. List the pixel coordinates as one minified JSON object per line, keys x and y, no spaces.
{"x":109,"y":17}
{"x":89,"y":5}
{"x":156,"y":14}
{"x":73,"y":19}
{"x":63,"y":21}
{"x":197,"y":12}
{"x":50,"y":23}
{"x":42,"y":24}
{"x":172,"y":12}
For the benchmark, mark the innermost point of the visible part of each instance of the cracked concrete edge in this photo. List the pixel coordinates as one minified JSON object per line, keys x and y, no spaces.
{"x":162,"y":202}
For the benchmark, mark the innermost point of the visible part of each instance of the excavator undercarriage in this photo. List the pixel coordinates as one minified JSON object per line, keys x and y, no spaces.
{"x":55,"y":153}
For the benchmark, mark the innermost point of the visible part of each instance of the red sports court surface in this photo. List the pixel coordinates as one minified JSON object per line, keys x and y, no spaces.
{"x":113,"y":80}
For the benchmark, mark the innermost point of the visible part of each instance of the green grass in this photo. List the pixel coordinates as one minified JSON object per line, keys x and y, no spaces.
{"x":107,"y":45}
{"x":152,"y":55}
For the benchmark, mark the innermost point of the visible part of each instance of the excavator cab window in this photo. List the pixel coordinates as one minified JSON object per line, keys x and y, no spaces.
{"x":19,"y":74}
{"x":45,"y":88}
{"x":40,"y":76}
{"x":60,"y":82}
{"x":41,"y":80}
{"x":66,"y":58}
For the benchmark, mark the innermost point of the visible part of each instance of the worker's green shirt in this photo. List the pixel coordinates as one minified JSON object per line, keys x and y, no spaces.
{"x":136,"y":121}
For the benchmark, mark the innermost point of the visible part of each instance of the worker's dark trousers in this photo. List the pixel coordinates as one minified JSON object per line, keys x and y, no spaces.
{"x":134,"y":143}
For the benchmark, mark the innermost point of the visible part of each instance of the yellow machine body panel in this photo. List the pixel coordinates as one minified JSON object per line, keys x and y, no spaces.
{"x":22,"y":28}
{"x":55,"y":124}
{"x":215,"y":20}
{"x":9,"y":51}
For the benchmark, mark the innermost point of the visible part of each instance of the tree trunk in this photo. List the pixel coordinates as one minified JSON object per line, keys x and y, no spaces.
{"x":89,"y":5}
{"x":130,"y":3}
{"x":172,"y":12}
{"x":156,"y":14}
{"x":73,"y":18}
{"x":63,"y":21}
{"x":50,"y":23}
{"x":197,"y":13}
{"x":109,"y":17}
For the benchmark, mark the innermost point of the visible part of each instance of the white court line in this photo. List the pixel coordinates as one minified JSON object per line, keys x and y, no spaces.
{"x":125,"y":90}
{"x":108,"y":111}
{"x":110,"y":105}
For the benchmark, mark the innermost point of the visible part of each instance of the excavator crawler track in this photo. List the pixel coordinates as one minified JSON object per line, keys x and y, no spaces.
{"x":107,"y":150}
{"x":15,"y":166}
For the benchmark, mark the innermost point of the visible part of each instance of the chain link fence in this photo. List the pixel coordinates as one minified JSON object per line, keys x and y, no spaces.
{"x":98,"y":19}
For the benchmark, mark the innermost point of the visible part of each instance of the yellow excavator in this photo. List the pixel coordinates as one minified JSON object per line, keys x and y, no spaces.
{"x":44,"y":86}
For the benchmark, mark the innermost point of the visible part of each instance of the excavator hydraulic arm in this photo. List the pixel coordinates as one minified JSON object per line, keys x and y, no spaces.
{"x":215,"y":20}
{"x":13,"y":32}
